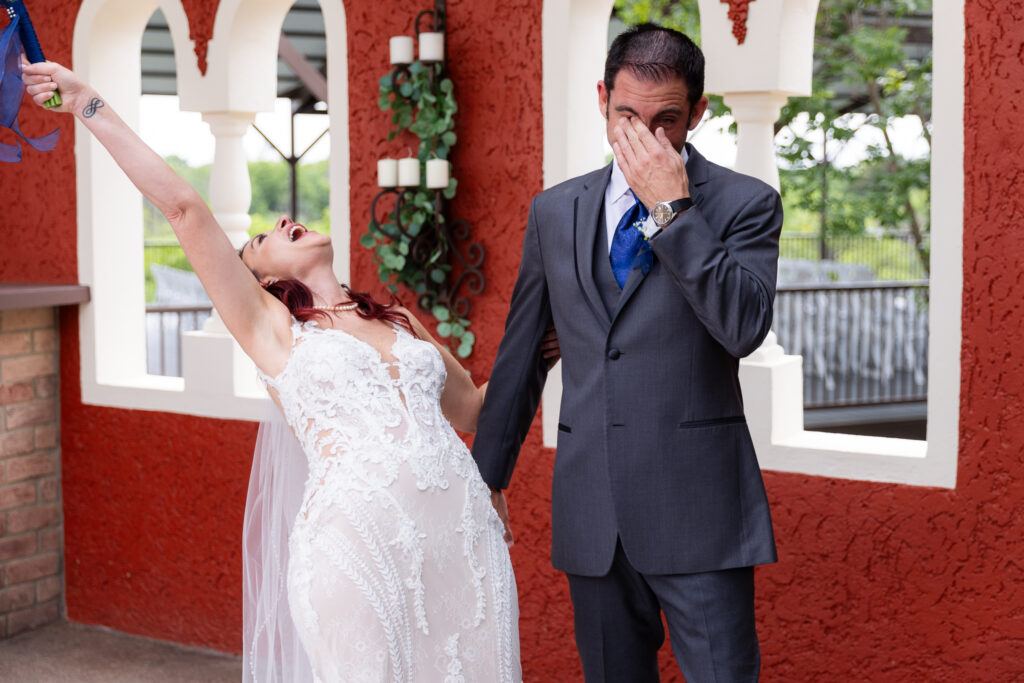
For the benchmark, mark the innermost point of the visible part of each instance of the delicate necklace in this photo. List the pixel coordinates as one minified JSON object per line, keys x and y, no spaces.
{"x":350,"y":306}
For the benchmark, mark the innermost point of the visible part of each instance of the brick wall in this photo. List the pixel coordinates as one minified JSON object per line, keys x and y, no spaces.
{"x":31,"y":558}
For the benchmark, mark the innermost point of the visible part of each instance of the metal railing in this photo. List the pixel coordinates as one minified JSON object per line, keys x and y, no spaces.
{"x":164,"y":327}
{"x":889,"y":257}
{"x":862,"y":343}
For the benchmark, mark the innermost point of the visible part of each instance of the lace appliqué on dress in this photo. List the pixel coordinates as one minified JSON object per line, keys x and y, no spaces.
{"x":398,"y":570}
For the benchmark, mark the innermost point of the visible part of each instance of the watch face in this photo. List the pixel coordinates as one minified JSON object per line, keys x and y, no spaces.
{"x":662,"y":213}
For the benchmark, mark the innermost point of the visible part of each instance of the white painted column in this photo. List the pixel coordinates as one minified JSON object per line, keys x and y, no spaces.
{"x":756,"y":114}
{"x":757,"y":75}
{"x":755,"y":78}
{"x":773,"y":391}
{"x":230,"y":189}
{"x":212,"y":363}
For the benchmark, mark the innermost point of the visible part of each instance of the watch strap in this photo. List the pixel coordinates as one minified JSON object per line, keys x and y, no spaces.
{"x":680,"y":205}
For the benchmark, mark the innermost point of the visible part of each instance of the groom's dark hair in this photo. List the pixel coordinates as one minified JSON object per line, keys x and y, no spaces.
{"x":654,"y":53}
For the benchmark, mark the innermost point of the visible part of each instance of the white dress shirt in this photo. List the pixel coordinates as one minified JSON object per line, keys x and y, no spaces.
{"x":618,"y":199}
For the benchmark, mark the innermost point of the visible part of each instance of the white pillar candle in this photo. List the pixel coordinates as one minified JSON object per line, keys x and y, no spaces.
{"x":432,"y":47}
{"x":401,"y":50}
{"x":387,"y":172}
{"x":409,"y":172}
{"x":437,"y":174}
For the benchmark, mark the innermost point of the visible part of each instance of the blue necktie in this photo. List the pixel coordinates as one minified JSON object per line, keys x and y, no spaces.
{"x":627,"y":241}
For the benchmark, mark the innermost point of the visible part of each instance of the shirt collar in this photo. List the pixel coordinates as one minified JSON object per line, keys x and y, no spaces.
{"x":617,"y":185}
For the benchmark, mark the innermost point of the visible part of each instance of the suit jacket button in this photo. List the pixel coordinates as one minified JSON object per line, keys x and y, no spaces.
{"x":613,"y":354}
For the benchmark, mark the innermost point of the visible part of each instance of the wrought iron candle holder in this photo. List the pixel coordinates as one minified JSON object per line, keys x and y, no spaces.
{"x":435,"y":243}
{"x":446,"y":262}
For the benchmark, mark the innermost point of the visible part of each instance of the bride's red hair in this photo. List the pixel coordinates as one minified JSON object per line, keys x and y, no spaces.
{"x":299,"y":300}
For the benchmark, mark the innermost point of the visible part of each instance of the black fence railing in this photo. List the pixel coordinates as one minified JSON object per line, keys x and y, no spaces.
{"x":164,"y":326}
{"x":885,"y":257}
{"x":862,"y":343}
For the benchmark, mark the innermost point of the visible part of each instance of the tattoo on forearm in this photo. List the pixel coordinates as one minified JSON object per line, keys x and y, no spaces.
{"x":90,"y":109}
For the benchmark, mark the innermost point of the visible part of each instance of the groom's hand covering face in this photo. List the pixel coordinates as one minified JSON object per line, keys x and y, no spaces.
{"x":653,"y":169}
{"x":650,"y":161}
{"x":658,"y":104}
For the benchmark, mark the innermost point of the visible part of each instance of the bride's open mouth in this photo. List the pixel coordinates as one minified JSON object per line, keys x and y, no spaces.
{"x":296,"y":231}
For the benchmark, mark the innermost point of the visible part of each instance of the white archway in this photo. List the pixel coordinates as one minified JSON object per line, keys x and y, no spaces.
{"x":241,"y":81}
{"x":106,"y":53}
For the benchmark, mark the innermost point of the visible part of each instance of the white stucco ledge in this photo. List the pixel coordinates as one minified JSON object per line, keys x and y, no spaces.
{"x":772,"y":384}
{"x":847,"y":456}
{"x":219,"y":382}
{"x":168,"y":395}
{"x":828,"y":443}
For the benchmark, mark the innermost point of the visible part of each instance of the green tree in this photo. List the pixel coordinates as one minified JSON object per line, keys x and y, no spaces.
{"x":272,"y":194}
{"x":866,"y":75}
{"x":682,"y":16}
{"x":271,"y":188}
{"x":271,"y":197}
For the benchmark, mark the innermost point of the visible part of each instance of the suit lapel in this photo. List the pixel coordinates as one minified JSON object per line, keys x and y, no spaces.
{"x":697,"y":172}
{"x":586,"y":212}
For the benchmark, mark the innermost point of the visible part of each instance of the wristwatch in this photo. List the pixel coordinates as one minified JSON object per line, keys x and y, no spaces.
{"x":664,"y":212}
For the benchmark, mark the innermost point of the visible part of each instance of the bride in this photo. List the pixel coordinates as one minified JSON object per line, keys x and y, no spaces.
{"x":391,"y":564}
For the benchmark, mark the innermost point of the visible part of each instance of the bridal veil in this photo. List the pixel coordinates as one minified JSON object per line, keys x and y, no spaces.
{"x":272,"y":650}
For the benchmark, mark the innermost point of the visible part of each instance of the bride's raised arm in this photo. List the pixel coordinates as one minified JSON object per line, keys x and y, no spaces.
{"x":256,"y":319}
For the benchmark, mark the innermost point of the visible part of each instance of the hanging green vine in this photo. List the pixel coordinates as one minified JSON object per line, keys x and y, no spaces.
{"x":422,"y":102}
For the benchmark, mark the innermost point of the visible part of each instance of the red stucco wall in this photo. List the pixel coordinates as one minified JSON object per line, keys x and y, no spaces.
{"x":153,"y":507}
{"x":39,"y":238}
{"x":875,"y":583}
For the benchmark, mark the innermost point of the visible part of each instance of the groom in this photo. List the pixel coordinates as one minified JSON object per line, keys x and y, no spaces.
{"x":658,"y":271}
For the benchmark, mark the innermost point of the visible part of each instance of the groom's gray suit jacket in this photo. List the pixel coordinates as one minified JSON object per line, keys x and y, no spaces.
{"x":653,"y":447}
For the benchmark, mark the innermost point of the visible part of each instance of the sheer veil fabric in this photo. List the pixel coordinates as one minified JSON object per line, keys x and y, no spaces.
{"x":272,"y":651}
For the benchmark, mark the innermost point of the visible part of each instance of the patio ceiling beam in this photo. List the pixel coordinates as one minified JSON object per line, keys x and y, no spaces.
{"x":307,"y":73}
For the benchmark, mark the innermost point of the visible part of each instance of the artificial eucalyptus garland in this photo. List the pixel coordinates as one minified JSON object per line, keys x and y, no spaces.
{"x":421,"y":102}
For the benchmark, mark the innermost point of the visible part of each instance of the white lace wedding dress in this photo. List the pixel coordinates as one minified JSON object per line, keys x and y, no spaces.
{"x":398,"y":570}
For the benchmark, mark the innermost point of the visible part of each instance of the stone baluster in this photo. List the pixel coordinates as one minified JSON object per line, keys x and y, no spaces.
{"x":757,"y":59}
{"x":756,"y":114}
{"x":212,"y":362}
{"x":230,"y":190}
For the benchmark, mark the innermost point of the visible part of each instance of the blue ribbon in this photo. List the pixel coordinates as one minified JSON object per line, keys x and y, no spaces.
{"x":12,"y":91}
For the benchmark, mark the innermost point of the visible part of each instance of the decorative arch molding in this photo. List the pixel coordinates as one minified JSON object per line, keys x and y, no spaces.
{"x":106,"y":51}
{"x":201,"y":14}
{"x":738,"y":16}
{"x":241,"y":54}
{"x":239,"y":81}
